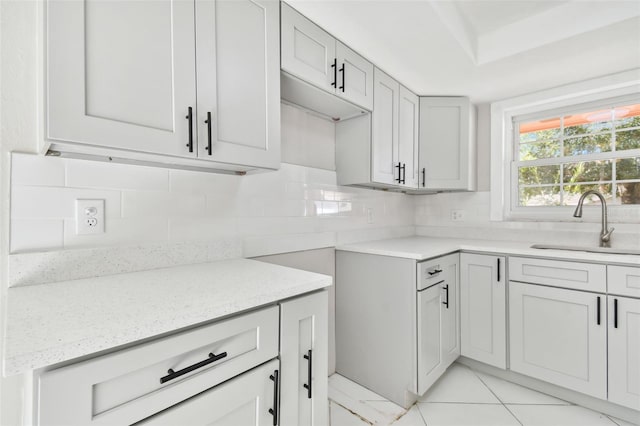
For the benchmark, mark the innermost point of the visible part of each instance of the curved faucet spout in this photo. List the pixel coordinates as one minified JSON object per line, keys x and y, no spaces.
{"x":605,"y":232}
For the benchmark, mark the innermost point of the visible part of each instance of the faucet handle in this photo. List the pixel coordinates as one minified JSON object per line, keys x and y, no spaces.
{"x":607,"y":235}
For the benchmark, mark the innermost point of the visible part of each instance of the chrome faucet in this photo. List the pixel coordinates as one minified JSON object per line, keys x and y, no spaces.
{"x":605,"y":233}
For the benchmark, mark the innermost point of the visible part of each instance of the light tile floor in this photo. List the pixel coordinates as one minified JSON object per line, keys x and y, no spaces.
{"x":461,"y":397}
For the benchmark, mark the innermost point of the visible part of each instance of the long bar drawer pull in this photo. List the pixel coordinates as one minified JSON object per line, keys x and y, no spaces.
{"x":307,"y":385}
{"x":434,"y":272}
{"x":276,"y":383}
{"x":173,"y":374}
{"x":446,"y":303}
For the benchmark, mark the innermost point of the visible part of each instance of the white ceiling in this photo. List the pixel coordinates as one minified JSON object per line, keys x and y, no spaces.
{"x":485,"y":49}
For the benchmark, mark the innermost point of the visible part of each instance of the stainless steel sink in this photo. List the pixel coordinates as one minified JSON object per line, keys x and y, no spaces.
{"x":609,"y":250}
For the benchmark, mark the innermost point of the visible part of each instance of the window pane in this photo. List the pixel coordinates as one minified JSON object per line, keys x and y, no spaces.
{"x":538,"y":175}
{"x":587,"y":145}
{"x":628,"y":139}
{"x":534,"y":151}
{"x":536,"y":131}
{"x":540,"y":196}
{"x":588,"y":122}
{"x":572,"y":193}
{"x":587,"y":171}
{"x":627,"y":116}
{"x":629,"y":193}
{"x":628,"y":168}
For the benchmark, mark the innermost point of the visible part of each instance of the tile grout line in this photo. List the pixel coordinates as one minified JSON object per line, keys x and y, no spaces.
{"x":494,"y":394}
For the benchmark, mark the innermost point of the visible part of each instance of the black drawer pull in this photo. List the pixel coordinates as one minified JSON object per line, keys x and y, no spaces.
{"x":307,"y":385}
{"x":446,"y":290}
{"x":404,"y":173}
{"x":208,"y":121}
{"x":424,"y":176}
{"x":399,"y":167}
{"x":598,"y":311}
{"x":173,"y":374}
{"x":343,"y":77}
{"x":615,"y":313}
{"x":335,"y":72}
{"x":274,"y":411}
{"x":434,"y":272}
{"x":498,"y":269}
{"x":190,"y":118}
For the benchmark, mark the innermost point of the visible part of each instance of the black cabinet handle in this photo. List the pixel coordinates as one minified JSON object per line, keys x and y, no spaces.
{"x":343,"y":84}
{"x":446,"y":290}
{"x":307,"y":385}
{"x":173,"y":374}
{"x":404,"y":173}
{"x":190,"y":118}
{"x":598,"y":311}
{"x":399,"y":167}
{"x":434,"y":272}
{"x":274,"y":411}
{"x":424,"y":173}
{"x":498,"y":269}
{"x":208,"y":121}
{"x":615,"y":313}
{"x":335,"y":72}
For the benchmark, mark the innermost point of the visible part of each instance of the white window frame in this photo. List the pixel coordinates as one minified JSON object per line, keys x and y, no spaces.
{"x":503,"y":191}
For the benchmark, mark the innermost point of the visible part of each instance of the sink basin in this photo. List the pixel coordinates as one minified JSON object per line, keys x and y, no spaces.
{"x":608,"y":250}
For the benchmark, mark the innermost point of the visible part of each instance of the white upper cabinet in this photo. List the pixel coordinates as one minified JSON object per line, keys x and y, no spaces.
{"x":386,"y":167}
{"x":447,"y":144}
{"x":114,"y":82}
{"x":307,"y":51}
{"x":238,"y":74}
{"x":408,"y":126}
{"x":315,"y":56}
{"x":129,"y":77}
{"x":354,"y":77}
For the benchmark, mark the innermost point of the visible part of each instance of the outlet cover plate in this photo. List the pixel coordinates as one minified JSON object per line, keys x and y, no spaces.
{"x":89,"y":217}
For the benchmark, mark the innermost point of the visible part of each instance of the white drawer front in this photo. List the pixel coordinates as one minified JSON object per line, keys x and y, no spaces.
{"x":125,"y":386}
{"x":558,"y":273}
{"x":433,"y":271}
{"x":624,"y":280}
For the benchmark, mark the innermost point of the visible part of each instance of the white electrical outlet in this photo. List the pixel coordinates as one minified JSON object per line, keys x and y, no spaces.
{"x":369,"y":215}
{"x":89,"y":217}
{"x":457,"y":215}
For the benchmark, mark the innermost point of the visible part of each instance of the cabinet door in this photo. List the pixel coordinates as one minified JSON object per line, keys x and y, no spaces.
{"x":238,"y":72}
{"x":429,"y":339}
{"x":408,"y":117}
{"x":307,"y":51}
{"x":449,"y":308}
{"x":624,"y":351}
{"x":483,"y":308}
{"x":384,"y":152}
{"x":304,"y":357}
{"x":355,"y":77}
{"x":245,"y":400}
{"x":447,"y":141}
{"x":559,"y":336}
{"x":121,"y":74}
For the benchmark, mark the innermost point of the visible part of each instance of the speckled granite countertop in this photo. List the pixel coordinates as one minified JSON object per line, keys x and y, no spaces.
{"x":51,"y":323}
{"x":421,"y":248}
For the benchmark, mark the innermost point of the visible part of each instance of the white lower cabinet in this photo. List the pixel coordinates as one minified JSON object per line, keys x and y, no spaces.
{"x":224,"y":373}
{"x":559,"y":336}
{"x":429,"y":337}
{"x":304,"y":352}
{"x":624,"y":351}
{"x":245,"y":400}
{"x":483,"y":308}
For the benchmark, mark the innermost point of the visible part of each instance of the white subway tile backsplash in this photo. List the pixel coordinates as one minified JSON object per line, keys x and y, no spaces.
{"x":37,"y":170}
{"x":202,"y":228}
{"x":36,"y":234}
{"x":119,"y":231}
{"x":162,"y":204}
{"x":30,"y":202}
{"x":93,"y":174}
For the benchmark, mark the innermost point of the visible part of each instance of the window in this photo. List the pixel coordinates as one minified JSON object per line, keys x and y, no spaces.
{"x":558,"y":155}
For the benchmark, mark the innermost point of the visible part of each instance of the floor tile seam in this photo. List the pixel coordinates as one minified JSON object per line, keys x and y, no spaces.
{"x":460,"y":403}
{"x":497,"y":397}
{"x":367,"y":421}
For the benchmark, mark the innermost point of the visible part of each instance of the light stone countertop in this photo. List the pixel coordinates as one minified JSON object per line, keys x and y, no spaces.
{"x":421,"y":248}
{"x":51,"y":323}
